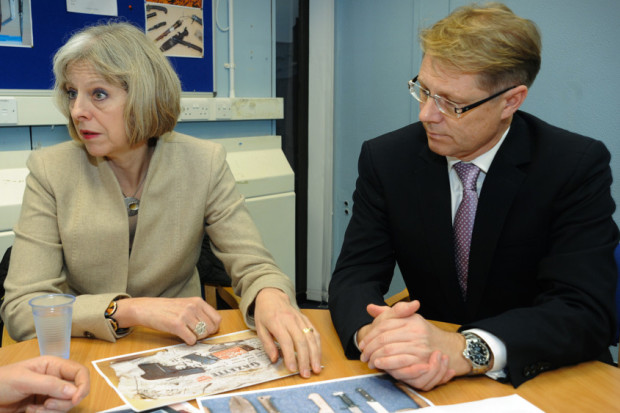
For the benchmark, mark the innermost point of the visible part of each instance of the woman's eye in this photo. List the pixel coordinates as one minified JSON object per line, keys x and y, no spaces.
{"x":71,"y":94}
{"x":100,"y":94}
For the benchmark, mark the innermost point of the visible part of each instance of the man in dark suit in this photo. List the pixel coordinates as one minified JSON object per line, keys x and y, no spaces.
{"x":520,"y":253}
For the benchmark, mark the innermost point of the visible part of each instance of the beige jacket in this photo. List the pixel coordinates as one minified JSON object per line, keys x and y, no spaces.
{"x":73,"y":234}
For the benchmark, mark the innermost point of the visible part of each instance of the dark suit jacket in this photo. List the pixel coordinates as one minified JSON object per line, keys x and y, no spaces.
{"x":542,"y":272}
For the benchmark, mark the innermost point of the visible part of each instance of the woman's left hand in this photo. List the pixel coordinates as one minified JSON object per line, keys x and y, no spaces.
{"x":277,"y":320}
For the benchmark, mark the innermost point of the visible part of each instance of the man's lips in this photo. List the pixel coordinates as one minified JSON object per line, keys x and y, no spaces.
{"x":434,"y":135}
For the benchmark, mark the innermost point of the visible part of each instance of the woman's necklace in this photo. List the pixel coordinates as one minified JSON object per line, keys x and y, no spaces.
{"x":131,"y":202}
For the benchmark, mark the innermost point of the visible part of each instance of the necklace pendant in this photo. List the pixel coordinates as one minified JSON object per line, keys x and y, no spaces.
{"x":133,"y":205}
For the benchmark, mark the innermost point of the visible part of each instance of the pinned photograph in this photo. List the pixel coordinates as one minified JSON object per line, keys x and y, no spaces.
{"x":178,"y":31}
{"x":15,"y":23}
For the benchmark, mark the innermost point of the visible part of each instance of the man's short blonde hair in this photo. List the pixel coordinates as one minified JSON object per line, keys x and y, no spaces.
{"x":123,"y":55}
{"x":491,"y":41}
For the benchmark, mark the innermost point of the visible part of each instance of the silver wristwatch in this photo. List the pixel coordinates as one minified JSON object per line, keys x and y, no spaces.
{"x":478,"y":354}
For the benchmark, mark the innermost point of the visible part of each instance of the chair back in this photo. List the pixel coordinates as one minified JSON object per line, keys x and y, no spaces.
{"x":4,"y":269}
{"x":617,"y":256}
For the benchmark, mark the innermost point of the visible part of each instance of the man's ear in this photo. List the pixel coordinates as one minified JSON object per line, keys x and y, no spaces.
{"x":514,"y":98}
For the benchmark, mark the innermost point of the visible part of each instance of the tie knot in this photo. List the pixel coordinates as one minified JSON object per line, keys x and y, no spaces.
{"x":468,"y":174}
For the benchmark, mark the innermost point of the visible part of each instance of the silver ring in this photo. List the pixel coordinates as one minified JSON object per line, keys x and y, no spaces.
{"x":308,"y":330}
{"x":200,"y":328}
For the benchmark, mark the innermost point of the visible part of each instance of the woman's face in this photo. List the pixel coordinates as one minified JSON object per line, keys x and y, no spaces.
{"x":97,"y":108}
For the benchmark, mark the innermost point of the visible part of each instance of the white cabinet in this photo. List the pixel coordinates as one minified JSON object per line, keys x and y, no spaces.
{"x":12,"y":183}
{"x":267,"y":181}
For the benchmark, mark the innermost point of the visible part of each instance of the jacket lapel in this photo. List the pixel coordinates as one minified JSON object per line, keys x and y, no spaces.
{"x":433,"y":181}
{"x":500,"y":187}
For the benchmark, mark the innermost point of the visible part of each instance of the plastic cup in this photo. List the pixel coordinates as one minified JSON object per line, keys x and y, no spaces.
{"x":52,"y":320}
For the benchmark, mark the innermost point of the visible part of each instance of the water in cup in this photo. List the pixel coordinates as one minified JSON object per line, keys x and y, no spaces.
{"x":52,"y":319}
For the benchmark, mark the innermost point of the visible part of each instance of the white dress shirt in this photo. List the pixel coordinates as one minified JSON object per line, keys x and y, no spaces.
{"x":497,"y":346}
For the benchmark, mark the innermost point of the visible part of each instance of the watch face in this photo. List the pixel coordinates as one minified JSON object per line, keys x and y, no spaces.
{"x":478,"y":353}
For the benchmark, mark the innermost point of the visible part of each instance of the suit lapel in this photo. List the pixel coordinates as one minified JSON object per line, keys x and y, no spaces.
{"x":500,"y":187}
{"x":433,"y":181}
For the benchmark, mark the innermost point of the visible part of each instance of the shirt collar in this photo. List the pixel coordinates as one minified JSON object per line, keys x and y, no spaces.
{"x":483,"y":161}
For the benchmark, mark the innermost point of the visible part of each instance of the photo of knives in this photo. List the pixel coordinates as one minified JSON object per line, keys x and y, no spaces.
{"x":268,"y":404}
{"x":353,"y":408}
{"x":239,"y":404}
{"x":375,"y":405}
{"x":321,"y":403}
{"x":417,"y":402}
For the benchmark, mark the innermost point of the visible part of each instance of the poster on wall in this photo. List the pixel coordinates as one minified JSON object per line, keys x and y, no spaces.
{"x":29,"y":67}
{"x":176,"y":28}
{"x":15,"y":23}
{"x":101,"y":7}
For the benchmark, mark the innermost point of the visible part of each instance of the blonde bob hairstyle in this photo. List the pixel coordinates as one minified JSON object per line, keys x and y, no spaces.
{"x":123,"y":55}
{"x":491,"y":41}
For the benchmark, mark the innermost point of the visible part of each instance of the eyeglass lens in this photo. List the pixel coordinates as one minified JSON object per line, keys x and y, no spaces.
{"x":422,"y":95}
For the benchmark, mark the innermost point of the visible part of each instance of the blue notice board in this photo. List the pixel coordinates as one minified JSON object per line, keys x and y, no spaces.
{"x":30,"y":68}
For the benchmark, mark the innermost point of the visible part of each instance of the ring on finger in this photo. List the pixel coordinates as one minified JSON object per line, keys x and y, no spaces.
{"x":200,"y":328}
{"x":308,"y":330}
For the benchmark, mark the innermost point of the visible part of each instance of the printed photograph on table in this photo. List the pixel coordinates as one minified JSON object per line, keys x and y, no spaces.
{"x":178,"y":373}
{"x":178,"y":31}
{"x":373,"y":393}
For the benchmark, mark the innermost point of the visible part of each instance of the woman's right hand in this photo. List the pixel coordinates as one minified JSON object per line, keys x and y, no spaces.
{"x":179,"y":316}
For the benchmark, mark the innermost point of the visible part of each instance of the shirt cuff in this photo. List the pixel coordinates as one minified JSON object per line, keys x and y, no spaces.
{"x":355,"y":341}
{"x":498,"y":348}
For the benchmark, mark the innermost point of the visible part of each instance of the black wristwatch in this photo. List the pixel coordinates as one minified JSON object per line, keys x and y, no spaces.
{"x":478,"y":354}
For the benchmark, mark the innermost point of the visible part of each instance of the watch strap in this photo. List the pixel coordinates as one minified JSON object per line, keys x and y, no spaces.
{"x":109,"y":315}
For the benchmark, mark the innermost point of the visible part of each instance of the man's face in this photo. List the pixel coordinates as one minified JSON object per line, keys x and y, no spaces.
{"x":477,"y":131}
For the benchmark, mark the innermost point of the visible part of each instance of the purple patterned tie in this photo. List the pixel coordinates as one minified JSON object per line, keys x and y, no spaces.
{"x":464,"y":220}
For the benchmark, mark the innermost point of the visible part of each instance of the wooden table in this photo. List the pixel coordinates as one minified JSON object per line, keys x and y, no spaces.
{"x":591,"y":386}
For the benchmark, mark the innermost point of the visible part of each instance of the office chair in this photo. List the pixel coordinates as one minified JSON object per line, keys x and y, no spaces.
{"x":217,"y":290}
{"x":617,"y":257}
{"x":4,"y":269}
{"x":403,"y":295}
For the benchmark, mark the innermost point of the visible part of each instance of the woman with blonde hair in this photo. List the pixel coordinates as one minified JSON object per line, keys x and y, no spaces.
{"x":117,"y":216}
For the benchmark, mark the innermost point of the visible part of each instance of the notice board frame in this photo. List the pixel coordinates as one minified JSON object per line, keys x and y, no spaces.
{"x":30,"y":68}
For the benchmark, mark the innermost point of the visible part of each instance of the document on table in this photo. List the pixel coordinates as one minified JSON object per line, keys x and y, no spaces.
{"x":369,"y":393}
{"x":506,"y":404}
{"x":174,"y":374}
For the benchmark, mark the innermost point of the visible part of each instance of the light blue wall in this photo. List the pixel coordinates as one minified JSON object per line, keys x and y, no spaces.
{"x":377,"y":52}
{"x":254,"y":77}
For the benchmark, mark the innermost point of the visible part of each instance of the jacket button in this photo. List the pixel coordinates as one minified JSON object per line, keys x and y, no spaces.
{"x":88,"y":334}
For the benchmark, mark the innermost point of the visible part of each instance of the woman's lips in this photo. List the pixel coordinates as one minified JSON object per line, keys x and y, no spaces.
{"x":87,"y":134}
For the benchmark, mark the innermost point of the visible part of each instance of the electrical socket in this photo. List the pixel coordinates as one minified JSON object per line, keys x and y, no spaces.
{"x":195,"y":109}
{"x":223,"y":108}
{"x":8,"y":110}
